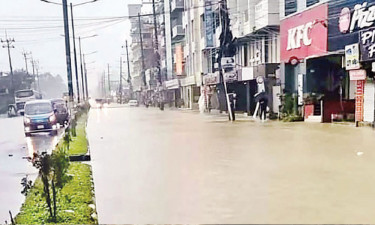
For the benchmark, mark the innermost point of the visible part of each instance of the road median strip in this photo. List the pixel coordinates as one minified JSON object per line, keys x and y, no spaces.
{"x":70,"y":198}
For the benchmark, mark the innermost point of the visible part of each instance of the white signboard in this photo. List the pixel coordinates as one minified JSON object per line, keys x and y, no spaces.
{"x":352,"y":57}
{"x":357,"y":74}
{"x":300,"y":89}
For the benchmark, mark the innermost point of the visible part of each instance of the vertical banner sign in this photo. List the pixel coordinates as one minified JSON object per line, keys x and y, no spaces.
{"x":300,"y":89}
{"x":352,"y":57}
{"x":208,"y":17}
{"x":367,"y":44}
{"x":179,"y":56}
{"x":359,"y":100}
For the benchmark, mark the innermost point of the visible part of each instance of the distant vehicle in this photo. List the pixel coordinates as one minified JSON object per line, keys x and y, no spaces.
{"x":39,"y":116}
{"x":61,"y":111}
{"x":101,"y":102}
{"x":133,"y":103}
{"x":21,"y":98}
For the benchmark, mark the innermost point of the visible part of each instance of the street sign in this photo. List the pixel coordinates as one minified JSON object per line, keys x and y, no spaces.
{"x":352,"y":57}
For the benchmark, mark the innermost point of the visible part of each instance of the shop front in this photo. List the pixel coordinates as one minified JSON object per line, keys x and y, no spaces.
{"x":351,"y":31}
{"x":172,"y":93}
{"x":189,"y":92}
{"x":313,"y":78}
{"x":210,"y":90}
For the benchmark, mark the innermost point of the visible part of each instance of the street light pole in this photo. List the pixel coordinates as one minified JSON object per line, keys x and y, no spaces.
{"x":81,"y":62}
{"x":141,"y":40}
{"x":120,"y":88}
{"x":67,"y":50}
{"x":75,"y":54}
{"x":128,"y":62}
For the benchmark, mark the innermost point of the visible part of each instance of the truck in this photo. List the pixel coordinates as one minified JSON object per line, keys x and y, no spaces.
{"x":21,"y":97}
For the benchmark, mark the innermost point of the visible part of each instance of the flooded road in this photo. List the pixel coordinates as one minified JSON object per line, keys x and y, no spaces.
{"x":179,"y":167}
{"x":15,"y":148}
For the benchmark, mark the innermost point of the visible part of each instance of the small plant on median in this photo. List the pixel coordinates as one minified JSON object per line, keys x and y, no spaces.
{"x":52,"y":172}
{"x":26,"y":184}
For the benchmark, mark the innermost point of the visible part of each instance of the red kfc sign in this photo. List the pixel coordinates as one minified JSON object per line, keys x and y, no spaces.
{"x":304,"y":34}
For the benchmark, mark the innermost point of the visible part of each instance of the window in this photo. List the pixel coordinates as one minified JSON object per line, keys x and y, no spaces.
{"x":202,"y":21}
{"x":245,"y":55}
{"x":311,"y":2}
{"x":290,"y":7}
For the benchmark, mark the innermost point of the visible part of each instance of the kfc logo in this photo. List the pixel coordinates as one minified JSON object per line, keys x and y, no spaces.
{"x":298,"y":35}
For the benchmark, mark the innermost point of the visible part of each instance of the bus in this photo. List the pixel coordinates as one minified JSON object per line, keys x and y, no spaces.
{"x":21,"y":97}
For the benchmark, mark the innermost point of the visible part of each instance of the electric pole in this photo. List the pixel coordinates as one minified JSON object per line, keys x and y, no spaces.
{"x":120,"y":88}
{"x":35,"y":65}
{"x":141,"y":42}
{"x":128,"y":62}
{"x":67,"y":50}
{"x":75,"y":54}
{"x":25,"y":54}
{"x":156,"y":42}
{"x":85,"y":70}
{"x":9,"y":44}
{"x":83,"y":83}
{"x":109,"y":81}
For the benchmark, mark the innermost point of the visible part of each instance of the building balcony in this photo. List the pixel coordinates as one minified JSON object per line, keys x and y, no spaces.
{"x":178,"y":32}
{"x":177,"y":6}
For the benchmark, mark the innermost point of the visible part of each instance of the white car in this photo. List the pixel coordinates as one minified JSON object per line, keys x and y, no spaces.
{"x":133,"y":103}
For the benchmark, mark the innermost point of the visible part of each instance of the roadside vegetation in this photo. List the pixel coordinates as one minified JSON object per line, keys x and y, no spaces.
{"x":63,"y":192}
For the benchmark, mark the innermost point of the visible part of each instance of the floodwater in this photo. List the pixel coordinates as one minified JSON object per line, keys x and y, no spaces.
{"x":15,"y":149}
{"x":180,"y":167}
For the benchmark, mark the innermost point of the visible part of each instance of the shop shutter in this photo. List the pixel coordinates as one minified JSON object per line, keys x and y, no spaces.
{"x":368,"y":104}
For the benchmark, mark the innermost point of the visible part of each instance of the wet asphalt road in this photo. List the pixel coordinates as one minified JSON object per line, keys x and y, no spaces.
{"x":178,"y":167}
{"x":14,"y":150}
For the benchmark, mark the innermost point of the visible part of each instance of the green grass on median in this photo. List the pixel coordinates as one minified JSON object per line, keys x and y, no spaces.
{"x":75,"y":200}
{"x":78,"y":145}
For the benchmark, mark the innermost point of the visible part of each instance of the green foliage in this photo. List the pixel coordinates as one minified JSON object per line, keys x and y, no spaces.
{"x":26,"y":184}
{"x":60,"y":165}
{"x":73,"y":200}
{"x":78,"y":145}
{"x":293,"y":118}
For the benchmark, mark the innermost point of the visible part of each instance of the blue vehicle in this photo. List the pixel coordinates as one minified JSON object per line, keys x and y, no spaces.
{"x":39,"y":116}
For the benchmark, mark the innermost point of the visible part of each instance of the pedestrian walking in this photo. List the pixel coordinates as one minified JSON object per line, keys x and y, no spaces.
{"x":263,"y":102}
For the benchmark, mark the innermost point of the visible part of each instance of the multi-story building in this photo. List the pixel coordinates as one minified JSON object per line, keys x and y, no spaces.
{"x":142,"y":50}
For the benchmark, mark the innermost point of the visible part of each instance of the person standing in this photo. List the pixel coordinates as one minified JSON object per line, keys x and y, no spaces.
{"x":263,"y":102}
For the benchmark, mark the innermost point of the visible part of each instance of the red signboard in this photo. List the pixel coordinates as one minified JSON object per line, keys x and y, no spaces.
{"x":359,"y":100}
{"x":304,"y":34}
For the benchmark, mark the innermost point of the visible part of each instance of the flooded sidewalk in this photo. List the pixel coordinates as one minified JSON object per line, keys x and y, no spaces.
{"x":153,"y":166}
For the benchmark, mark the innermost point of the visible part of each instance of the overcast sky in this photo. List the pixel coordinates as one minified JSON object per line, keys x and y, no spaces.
{"x":37,"y":27}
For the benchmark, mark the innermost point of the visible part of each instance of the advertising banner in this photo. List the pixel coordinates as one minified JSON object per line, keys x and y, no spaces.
{"x":208,"y":17}
{"x":179,"y":59}
{"x":304,"y":34}
{"x":359,"y":100}
{"x":357,"y":74}
{"x":367,"y":44}
{"x":346,"y":19}
{"x":352,"y":57}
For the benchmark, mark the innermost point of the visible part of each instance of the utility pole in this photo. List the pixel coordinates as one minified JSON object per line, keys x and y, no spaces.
{"x":156,"y":41}
{"x":104,"y":88}
{"x":25,"y":54}
{"x":141,"y":41}
{"x":109,"y":81}
{"x":8,"y":44}
{"x":226,"y":42}
{"x":83,"y":83}
{"x":128,"y":62}
{"x":35,"y":66}
{"x":87,"y":87}
{"x":75,"y":53}
{"x":120,"y":88}
{"x":67,"y":50}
